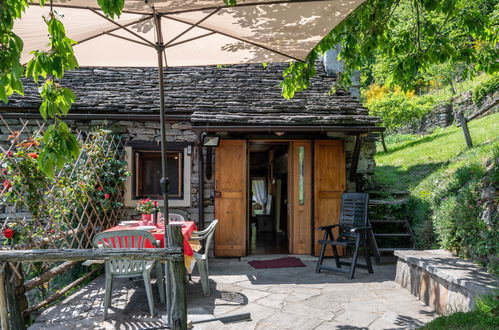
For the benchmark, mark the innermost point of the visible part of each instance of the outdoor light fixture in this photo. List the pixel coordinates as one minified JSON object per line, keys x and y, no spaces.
{"x":211,"y":140}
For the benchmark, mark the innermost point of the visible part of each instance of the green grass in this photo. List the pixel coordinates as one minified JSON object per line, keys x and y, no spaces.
{"x":445,"y":93}
{"x":411,"y":158}
{"x":463,"y":321}
{"x":484,"y":316}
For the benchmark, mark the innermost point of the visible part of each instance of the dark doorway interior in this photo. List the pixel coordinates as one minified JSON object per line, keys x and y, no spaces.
{"x":268,"y":195}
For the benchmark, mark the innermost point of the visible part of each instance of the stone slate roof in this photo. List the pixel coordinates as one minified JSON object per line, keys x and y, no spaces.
{"x":232,"y":95}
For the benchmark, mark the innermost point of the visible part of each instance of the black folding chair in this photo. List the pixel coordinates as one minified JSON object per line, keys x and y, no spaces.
{"x":353,"y":230}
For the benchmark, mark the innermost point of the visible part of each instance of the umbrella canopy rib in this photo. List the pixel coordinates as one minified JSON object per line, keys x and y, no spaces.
{"x":123,"y":27}
{"x":238,"y":38}
{"x":192,"y":27}
{"x":129,"y":39}
{"x":240,"y":5}
{"x":190,"y":39}
{"x":114,"y":29}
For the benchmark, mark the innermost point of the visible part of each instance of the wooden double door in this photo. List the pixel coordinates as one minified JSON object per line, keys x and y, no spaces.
{"x":316,"y":180}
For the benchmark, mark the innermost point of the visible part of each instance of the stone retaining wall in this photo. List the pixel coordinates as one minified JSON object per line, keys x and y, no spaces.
{"x":444,"y":115}
{"x":445,"y":283}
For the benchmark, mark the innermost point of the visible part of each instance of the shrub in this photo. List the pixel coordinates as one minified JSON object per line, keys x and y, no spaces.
{"x":447,"y":209}
{"x":484,"y":316}
{"x":480,"y":91}
{"x":397,"y":108}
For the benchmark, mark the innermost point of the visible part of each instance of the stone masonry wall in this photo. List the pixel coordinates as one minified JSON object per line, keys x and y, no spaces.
{"x":444,"y":115}
{"x":181,"y":132}
{"x":131,"y":131}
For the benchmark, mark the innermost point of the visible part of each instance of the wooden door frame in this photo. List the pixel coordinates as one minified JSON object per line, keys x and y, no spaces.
{"x":289,"y":190}
{"x":248,"y":183}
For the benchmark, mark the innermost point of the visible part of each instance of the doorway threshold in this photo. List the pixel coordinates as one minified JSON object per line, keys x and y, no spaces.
{"x":275,"y":256}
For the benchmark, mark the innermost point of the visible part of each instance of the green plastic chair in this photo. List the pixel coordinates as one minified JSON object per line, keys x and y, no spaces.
{"x":126,"y":268}
{"x":202,"y":257}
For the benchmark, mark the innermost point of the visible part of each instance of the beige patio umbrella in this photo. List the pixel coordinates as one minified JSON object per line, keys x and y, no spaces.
{"x":162,"y":33}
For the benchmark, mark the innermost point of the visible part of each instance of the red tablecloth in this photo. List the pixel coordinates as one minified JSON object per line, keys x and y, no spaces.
{"x":187,"y":228}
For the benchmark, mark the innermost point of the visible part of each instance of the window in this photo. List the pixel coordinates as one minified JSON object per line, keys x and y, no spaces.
{"x":144,"y":162}
{"x":147,"y":174}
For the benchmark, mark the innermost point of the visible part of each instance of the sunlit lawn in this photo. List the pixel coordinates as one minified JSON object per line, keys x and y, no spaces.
{"x":412,"y":157}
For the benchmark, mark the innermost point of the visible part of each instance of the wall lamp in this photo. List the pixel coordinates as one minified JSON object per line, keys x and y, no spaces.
{"x":211,"y":140}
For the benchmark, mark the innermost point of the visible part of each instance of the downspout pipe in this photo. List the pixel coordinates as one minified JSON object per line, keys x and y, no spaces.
{"x":200,"y":182}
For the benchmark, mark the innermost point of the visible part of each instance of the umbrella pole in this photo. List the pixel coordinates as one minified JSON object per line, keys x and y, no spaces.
{"x":164,"y":182}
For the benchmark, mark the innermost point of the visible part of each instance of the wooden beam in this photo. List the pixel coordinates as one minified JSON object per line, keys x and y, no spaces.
{"x":177,"y":309}
{"x":466,"y":131}
{"x":355,"y":158}
{"x":47,"y":276}
{"x":61,"y":292}
{"x":169,"y":253}
{"x":4,"y":313}
{"x":382,"y":135}
{"x":16,"y":320}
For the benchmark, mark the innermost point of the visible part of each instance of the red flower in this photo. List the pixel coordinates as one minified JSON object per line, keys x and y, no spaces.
{"x":106,"y":196}
{"x":14,"y":135}
{"x":8,"y":233}
{"x":145,"y":200}
{"x":10,"y":154}
{"x":33,"y":155}
{"x":4,"y":171}
{"x":99,"y":188}
{"x":155,"y":203}
{"x":7,"y":185}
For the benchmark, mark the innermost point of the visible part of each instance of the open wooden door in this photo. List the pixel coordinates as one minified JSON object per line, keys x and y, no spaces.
{"x":230,"y":198}
{"x":330,"y":177}
{"x":300,"y":197}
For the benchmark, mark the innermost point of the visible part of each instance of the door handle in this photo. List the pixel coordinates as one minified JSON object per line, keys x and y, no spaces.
{"x":218,"y":194}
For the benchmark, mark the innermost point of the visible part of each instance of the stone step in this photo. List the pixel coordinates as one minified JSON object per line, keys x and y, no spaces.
{"x":393,"y":249}
{"x":388,"y":221}
{"x":393,"y":235}
{"x":399,"y":201}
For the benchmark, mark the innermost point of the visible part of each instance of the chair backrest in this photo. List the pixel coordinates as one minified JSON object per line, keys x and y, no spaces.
{"x":125,"y":239}
{"x":354,"y":209}
{"x":175,"y":217}
{"x":207,"y":235}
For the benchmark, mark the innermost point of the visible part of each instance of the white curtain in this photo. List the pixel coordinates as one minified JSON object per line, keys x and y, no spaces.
{"x":260,"y":192}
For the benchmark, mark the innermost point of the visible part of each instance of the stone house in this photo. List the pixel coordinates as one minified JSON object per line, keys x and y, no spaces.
{"x":271,"y":170}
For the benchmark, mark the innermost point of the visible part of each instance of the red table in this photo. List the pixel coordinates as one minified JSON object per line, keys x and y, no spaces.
{"x":187,"y":228}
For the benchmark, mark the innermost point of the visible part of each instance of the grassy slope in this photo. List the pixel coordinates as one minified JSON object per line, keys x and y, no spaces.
{"x":411,"y":158}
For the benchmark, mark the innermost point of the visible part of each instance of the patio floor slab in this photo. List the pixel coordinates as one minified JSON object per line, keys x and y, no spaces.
{"x":284,"y":298}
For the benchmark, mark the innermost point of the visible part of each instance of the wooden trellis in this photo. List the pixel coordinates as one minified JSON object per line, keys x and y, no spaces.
{"x":83,"y":198}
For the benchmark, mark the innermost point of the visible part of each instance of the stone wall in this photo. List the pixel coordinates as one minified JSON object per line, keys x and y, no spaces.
{"x":442,"y":281}
{"x":444,"y":115}
{"x":132,"y":131}
{"x":181,"y":132}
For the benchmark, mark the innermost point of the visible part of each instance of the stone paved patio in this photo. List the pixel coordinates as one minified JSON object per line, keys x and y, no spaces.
{"x":286,"y":298}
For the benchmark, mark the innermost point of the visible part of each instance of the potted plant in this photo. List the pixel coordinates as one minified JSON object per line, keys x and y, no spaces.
{"x":145,"y":206}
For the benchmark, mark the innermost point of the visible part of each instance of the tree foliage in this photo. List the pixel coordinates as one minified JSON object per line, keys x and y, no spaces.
{"x":402,"y":38}
{"x":396,"y":108}
{"x":405,"y":38}
{"x":46,"y":69}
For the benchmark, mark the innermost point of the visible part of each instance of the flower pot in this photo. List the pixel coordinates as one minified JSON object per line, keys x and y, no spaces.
{"x":146,"y":217}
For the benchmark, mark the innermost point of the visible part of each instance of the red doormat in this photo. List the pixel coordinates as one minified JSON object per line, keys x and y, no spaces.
{"x":277,"y":263}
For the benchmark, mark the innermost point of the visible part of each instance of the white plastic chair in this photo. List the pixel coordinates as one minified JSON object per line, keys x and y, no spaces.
{"x":125,"y":268}
{"x":202,"y":258}
{"x":175,"y":217}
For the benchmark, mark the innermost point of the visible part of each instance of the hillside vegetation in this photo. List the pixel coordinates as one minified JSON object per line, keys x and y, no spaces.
{"x":452,"y":203}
